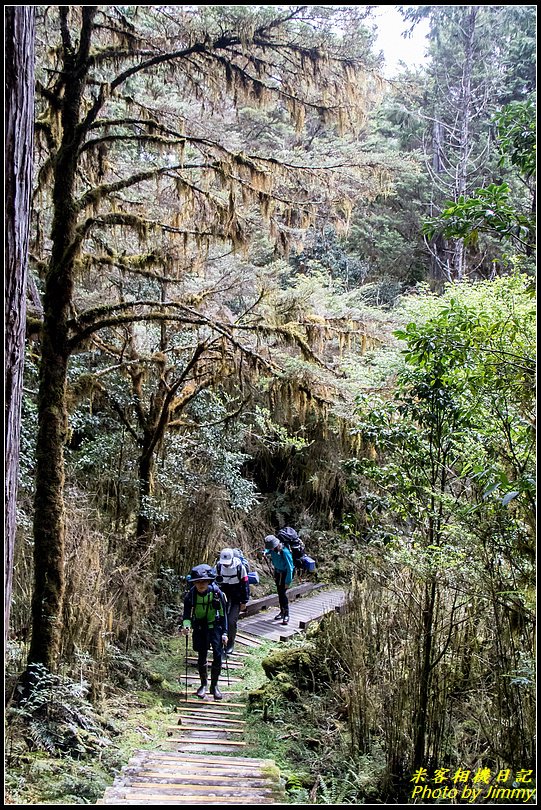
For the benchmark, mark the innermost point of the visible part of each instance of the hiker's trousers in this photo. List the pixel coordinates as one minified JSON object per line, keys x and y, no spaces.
{"x":281,"y":587}
{"x":233,"y":610}
{"x":204,"y":638}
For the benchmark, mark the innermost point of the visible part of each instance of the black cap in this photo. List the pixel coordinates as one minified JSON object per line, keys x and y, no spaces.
{"x":202,"y":573}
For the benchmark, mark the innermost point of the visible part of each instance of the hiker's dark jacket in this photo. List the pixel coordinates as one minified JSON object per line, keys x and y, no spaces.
{"x":204,"y":612}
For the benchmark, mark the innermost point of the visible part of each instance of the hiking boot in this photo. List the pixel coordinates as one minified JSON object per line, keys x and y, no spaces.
{"x":202,"y":691}
{"x":285,"y":620}
{"x":277,"y":617}
{"x":216,"y":692}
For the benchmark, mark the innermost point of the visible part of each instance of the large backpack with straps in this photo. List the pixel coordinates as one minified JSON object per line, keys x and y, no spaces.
{"x":289,"y":537}
{"x":253,"y":576}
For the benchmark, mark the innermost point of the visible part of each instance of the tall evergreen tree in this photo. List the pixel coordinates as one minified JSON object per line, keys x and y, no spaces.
{"x":471,"y":74}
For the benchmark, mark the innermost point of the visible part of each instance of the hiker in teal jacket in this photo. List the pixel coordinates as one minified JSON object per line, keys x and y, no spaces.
{"x":284,"y":569}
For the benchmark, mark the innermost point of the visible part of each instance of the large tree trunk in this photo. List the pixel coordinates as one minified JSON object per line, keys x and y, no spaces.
{"x":49,"y":517}
{"x":146,"y":491}
{"x":19,"y":131}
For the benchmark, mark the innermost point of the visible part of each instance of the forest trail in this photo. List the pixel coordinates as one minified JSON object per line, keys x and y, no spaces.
{"x":205,"y":760}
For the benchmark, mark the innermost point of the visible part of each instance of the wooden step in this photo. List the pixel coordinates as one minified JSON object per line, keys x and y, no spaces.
{"x":225,"y":762}
{"x":205,"y":727}
{"x":149,"y":777}
{"x":206,"y":702}
{"x":205,"y":741}
{"x":204,"y":770}
{"x":189,"y":800}
{"x":199,"y":762}
{"x":195,"y":679}
{"x":193,"y":785}
{"x":184,"y":720}
{"x":211,"y":710}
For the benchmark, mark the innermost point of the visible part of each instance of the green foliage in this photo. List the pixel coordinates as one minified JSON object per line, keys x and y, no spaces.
{"x":450,"y":497}
{"x":57,"y":718}
{"x":488,"y":210}
{"x":217,"y":452}
{"x":517,"y":136}
{"x":168,"y":590}
{"x":481,"y":345}
{"x":326,"y":251}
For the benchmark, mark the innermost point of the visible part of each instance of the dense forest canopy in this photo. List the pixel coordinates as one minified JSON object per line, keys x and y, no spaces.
{"x":268,"y":286}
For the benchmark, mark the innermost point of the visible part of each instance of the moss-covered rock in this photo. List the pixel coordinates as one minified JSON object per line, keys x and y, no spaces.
{"x":298,"y":665}
{"x":298,"y":661}
{"x":280,"y":687}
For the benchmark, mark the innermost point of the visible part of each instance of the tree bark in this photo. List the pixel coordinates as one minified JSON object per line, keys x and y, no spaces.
{"x":420,"y":723}
{"x":19,"y":144}
{"x":49,"y":518}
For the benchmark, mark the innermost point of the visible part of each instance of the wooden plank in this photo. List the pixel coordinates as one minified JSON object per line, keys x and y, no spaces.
{"x":193,"y":786}
{"x":154,"y":791}
{"x":211,"y":709}
{"x":255,"y":605}
{"x":245,"y":633}
{"x":205,"y":702}
{"x":205,"y":769}
{"x":204,"y":741}
{"x":209,"y":699}
{"x":234,"y":664}
{"x":216,"y":748}
{"x":232,"y":717}
{"x":195,"y":679}
{"x":191,"y":800}
{"x":248,"y":642}
{"x":169,"y":756}
{"x":205,"y":728}
{"x":209,"y":719}
{"x":211,"y":779}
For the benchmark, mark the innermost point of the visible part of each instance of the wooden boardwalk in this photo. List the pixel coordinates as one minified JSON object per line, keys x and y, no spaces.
{"x":302,"y":612}
{"x":204,"y":760}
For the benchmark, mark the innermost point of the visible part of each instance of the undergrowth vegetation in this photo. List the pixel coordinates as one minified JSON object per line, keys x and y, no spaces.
{"x":336,"y":709}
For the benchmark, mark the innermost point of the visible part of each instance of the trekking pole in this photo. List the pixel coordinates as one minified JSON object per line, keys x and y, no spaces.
{"x":269,"y":565}
{"x":186,"y":672}
{"x":226,"y":666}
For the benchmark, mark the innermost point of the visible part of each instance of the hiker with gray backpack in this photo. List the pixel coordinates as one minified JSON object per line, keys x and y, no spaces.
{"x":233,"y":580}
{"x":205,"y":614}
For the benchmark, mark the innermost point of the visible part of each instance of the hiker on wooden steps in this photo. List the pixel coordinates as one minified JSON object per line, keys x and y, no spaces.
{"x":233,"y":580}
{"x":206,"y":615}
{"x":284,"y":569}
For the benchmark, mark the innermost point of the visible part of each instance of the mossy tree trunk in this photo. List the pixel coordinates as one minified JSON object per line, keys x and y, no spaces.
{"x":19,"y":129}
{"x":168,"y":400}
{"x":146,"y":491}
{"x":49,"y":521}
